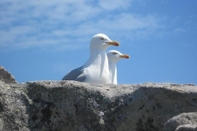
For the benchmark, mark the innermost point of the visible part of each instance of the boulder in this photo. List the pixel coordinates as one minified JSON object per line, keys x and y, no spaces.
{"x":5,"y":76}
{"x":76,"y":106}
{"x":186,"y":127}
{"x":182,"y":122}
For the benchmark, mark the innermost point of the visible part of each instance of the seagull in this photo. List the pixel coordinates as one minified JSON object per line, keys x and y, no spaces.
{"x":96,"y":69}
{"x":113,"y":57}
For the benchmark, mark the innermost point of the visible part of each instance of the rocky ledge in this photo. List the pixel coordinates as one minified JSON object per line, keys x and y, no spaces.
{"x":5,"y":76}
{"x":75,"y":106}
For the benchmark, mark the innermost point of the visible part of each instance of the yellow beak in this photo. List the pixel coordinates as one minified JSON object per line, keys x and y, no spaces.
{"x":125,"y":56}
{"x":114,"y":43}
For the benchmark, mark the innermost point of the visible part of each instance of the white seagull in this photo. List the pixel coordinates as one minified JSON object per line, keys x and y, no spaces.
{"x":96,"y":69}
{"x":113,"y":57}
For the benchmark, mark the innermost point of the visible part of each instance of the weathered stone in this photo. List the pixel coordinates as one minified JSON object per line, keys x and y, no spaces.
{"x":75,"y":106}
{"x":6,"y":77}
{"x":186,"y":127}
{"x":182,"y":122}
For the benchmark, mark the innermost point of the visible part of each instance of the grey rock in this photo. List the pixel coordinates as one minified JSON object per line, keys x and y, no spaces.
{"x":75,"y":106}
{"x":182,"y":122}
{"x":186,"y":127}
{"x":5,"y":76}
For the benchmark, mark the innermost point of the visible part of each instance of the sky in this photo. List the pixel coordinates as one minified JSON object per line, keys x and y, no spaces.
{"x":44,"y":40}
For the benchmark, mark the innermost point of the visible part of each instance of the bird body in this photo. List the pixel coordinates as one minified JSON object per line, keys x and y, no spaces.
{"x":112,"y":73}
{"x":97,"y":68}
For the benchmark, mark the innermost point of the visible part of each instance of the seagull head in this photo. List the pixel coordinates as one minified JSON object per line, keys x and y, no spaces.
{"x":114,"y":56}
{"x":101,"y":41}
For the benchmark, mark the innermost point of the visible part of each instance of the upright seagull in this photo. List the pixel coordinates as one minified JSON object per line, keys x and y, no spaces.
{"x":113,"y":57}
{"x":96,"y":69}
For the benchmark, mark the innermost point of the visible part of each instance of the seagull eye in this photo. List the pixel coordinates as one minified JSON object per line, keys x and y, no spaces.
{"x":114,"y":53}
{"x":102,"y":38}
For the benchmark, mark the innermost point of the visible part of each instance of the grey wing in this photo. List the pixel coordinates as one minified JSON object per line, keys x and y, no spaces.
{"x":76,"y":74}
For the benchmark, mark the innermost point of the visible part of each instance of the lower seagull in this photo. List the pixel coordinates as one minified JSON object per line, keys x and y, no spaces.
{"x":113,"y":57}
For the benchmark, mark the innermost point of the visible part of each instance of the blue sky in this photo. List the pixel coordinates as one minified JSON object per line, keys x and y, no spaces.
{"x":44,"y":40}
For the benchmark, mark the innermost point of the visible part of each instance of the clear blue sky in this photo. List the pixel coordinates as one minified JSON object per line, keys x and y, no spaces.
{"x":44,"y":40}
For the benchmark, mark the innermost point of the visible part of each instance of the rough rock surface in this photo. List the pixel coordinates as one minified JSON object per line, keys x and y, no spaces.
{"x":75,"y":106}
{"x":5,"y":76}
{"x":186,"y":127}
{"x":182,"y":122}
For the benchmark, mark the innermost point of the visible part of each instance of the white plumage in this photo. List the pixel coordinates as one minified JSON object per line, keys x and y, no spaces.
{"x":96,"y":69}
{"x":113,"y":57}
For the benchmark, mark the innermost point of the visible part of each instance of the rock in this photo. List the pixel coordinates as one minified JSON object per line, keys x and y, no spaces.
{"x":6,"y":77}
{"x":182,"y":122}
{"x":75,"y":106}
{"x":186,"y":127}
